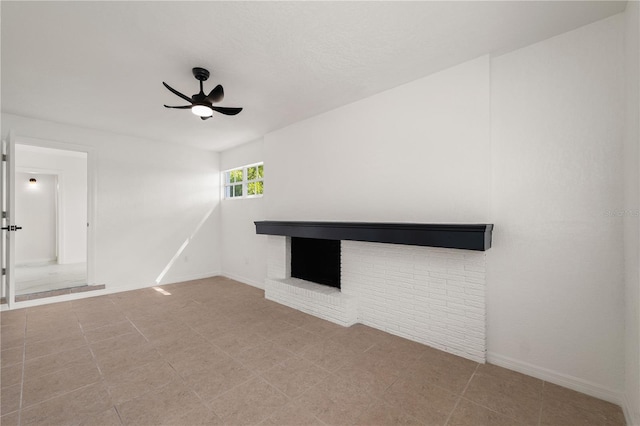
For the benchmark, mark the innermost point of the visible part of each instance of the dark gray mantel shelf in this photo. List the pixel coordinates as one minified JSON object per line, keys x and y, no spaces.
{"x":458,"y":236}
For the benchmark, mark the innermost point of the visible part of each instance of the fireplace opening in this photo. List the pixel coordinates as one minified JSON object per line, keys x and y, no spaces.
{"x":316,"y":260}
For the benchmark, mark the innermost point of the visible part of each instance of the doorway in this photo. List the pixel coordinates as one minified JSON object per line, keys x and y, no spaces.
{"x":47,"y":247}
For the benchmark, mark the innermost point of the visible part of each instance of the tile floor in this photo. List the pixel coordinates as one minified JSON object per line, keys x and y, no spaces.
{"x":214,"y":351}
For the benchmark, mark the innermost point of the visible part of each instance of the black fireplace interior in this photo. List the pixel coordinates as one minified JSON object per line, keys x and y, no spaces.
{"x":316,"y":260}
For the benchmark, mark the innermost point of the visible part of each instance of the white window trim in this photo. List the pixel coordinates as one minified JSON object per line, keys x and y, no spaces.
{"x":245,"y":182}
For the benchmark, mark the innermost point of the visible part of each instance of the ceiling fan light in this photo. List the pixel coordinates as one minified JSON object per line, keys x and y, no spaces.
{"x":202,"y":110}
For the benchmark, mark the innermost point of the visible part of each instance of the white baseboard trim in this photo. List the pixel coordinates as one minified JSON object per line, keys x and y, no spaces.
{"x":187,"y":277}
{"x":244,"y":280}
{"x":628,"y":414}
{"x":559,"y":379}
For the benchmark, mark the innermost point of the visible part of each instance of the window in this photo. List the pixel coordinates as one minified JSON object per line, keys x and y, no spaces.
{"x":244,"y":182}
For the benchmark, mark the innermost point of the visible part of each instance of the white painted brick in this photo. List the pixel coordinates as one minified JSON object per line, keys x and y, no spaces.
{"x":431,"y":295}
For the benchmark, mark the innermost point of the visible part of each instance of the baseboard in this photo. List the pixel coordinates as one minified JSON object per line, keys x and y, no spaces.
{"x":188,"y":277}
{"x":560,"y":379}
{"x":628,"y":414}
{"x":244,"y":280}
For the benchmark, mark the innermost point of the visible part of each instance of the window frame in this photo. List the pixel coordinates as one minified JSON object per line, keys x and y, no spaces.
{"x":245,"y":182}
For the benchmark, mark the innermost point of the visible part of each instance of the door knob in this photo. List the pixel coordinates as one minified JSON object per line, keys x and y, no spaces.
{"x":11,"y":228}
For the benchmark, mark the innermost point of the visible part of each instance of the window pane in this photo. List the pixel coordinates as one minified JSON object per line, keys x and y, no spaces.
{"x":227,"y":192}
{"x":260,"y":171}
{"x":252,"y":173}
{"x":259,"y":187}
{"x":251,"y":188}
{"x":236,"y":175}
{"x":237,"y":191}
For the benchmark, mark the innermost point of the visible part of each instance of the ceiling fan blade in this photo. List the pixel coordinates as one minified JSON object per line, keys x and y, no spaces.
{"x":226,"y":111}
{"x":205,"y":118}
{"x":175,"y":92}
{"x":179,"y":107}
{"x":216,"y":95}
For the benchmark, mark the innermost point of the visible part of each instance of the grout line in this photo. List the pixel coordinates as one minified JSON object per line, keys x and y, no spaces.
{"x":461,"y":394}
{"x":134,"y":326}
{"x":115,"y":407}
{"x":24,"y":362}
{"x":541,"y":404}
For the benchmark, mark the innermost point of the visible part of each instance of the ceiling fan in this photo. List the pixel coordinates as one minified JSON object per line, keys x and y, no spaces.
{"x":201,"y":104}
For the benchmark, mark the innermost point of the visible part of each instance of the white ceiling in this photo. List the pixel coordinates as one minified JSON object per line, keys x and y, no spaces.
{"x":101,"y":64}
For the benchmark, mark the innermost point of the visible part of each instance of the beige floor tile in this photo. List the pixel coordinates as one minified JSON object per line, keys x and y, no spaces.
{"x":200,"y":416}
{"x":126,"y":360}
{"x":610,"y":412}
{"x":106,"y":418}
{"x":137,"y":382}
{"x":469,"y":414}
{"x":238,"y":341}
{"x":329,"y":354}
{"x":269,"y":328}
{"x":70,"y":408}
{"x":445,"y":370}
{"x":173,"y":344}
{"x":320,"y":326}
{"x":58,"y":361}
{"x":49,"y":329}
{"x":357,"y":338}
{"x":336,"y":401}
{"x":14,"y":317}
{"x":248,"y":403}
{"x":562,"y":413}
{"x":12,"y":338}
{"x":11,"y":375}
{"x":10,"y":398}
{"x":109,"y":331}
{"x":294,"y":376}
{"x":10,"y":419}
{"x":164,"y":359}
{"x":56,"y":344}
{"x":380,"y":413}
{"x":154,"y":331}
{"x":12,"y":356}
{"x":38,"y":389}
{"x":187,"y":360}
{"x":509,"y":393}
{"x":297,"y":340}
{"x":100,"y":318}
{"x":263,"y":356}
{"x":374,"y":383}
{"x":422,"y":400}
{"x":390,"y":356}
{"x":216,"y":379}
{"x":292,"y":414}
{"x":162,"y":406}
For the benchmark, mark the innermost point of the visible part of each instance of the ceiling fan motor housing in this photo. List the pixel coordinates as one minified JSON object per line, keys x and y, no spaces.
{"x":200,"y":74}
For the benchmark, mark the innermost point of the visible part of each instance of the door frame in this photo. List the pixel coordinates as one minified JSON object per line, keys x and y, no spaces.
{"x":92,"y":191}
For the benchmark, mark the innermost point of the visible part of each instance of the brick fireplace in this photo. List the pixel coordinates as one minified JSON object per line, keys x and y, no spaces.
{"x":431,"y":295}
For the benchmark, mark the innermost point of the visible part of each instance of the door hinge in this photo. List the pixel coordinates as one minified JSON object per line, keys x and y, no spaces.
{"x":4,"y":215}
{"x":4,"y":271}
{"x":4,"y":157}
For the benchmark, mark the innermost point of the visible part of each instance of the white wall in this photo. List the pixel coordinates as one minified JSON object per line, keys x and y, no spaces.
{"x":631,"y":209}
{"x":71,"y":169}
{"x":157,"y":205}
{"x":554,"y":275}
{"x":36,"y":213}
{"x":416,"y":153}
{"x":243,"y":252}
{"x":530,"y":141}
